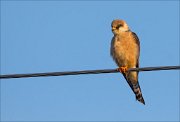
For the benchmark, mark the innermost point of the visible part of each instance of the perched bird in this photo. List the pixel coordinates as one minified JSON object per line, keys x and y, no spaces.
{"x":125,"y":50}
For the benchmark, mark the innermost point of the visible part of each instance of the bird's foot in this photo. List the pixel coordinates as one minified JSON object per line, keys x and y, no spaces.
{"x":122,"y":69}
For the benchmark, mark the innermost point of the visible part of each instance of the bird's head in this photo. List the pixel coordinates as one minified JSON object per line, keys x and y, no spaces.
{"x":119,"y":26}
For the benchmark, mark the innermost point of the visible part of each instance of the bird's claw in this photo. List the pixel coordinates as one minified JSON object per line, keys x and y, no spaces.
{"x":122,"y":69}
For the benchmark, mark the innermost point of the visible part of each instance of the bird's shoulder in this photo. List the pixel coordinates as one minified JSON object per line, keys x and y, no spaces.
{"x":136,"y":39}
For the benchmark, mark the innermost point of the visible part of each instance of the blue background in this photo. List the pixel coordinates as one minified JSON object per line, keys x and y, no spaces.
{"x":49,"y":36}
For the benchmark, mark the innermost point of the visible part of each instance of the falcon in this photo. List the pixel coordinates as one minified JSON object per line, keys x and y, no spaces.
{"x":125,"y":50}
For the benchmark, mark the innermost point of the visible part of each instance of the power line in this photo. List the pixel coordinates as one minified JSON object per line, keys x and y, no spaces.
{"x":8,"y":76}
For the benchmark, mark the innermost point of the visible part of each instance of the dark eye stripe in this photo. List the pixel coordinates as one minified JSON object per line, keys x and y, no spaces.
{"x":118,"y":26}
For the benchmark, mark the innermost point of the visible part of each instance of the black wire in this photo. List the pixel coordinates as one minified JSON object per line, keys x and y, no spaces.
{"x":86,"y":72}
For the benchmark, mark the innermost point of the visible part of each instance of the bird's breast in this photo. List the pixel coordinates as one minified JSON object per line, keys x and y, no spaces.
{"x":124,"y":51}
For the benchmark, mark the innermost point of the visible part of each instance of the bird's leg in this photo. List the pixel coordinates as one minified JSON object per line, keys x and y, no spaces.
{"x":122,"y":69}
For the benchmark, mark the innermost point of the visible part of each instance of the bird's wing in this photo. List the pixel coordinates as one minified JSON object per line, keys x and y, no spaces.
{"x":136,"y":87}
{"x":112,"y":48}
{"x":136,"y":39}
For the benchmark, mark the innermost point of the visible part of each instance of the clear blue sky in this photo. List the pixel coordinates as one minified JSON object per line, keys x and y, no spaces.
{"x":54,"y":36}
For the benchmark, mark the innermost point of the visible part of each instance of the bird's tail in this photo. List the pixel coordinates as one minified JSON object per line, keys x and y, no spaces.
{"x":136,"y":89}
{"x":138,"y":93}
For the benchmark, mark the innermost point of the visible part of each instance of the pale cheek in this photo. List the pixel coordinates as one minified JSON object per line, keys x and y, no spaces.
{"x":123,"y":29}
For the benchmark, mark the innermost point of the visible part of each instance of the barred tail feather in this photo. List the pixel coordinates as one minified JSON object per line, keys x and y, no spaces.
{"x":138,"y":93}
{"x":136,"y":89}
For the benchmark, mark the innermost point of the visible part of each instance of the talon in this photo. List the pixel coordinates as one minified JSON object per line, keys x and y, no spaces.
{"x":122,"y":69}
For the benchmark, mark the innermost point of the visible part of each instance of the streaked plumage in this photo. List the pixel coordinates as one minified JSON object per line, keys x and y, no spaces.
{"x":125,"y":50}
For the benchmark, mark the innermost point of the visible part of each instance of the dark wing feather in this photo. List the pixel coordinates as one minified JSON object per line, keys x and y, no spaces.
{"x":128,"y":81}
{"x":138,"y":44}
